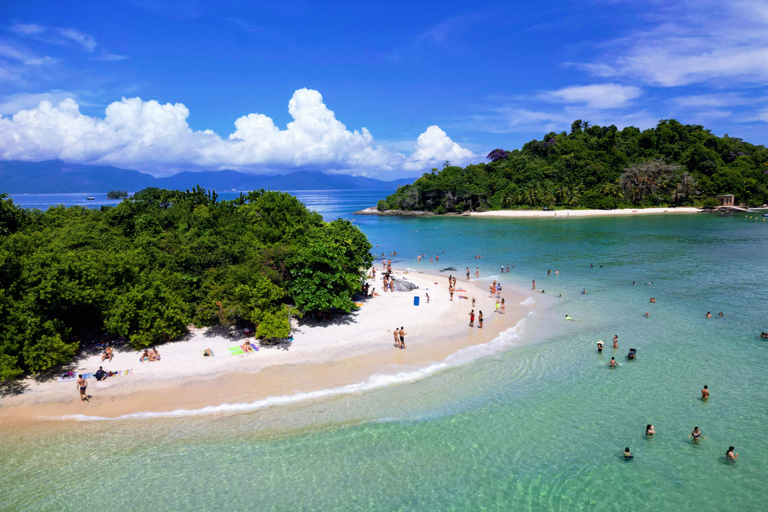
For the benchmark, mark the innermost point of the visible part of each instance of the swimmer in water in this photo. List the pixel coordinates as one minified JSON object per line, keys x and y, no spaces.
{"x":632,"y":354}
{"x":709,"y":315}
{"x":599,"y":346}
{"x":721,"y":314}
{"x":696,"y":435}
{"x":653,"y":300}
{"x":568,"y":317}
{"x":583,"y":291}
{"x":627,"y":454}
{"x":615,"y":341}
{"x":649,"y":430}
{"x":730,"y":455}
{"x":647,"y":315}
{"x":705,"y":393}
{"x":612,"y":363}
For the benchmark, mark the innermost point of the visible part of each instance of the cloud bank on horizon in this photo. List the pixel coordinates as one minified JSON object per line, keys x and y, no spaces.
{"x":156,"y":138}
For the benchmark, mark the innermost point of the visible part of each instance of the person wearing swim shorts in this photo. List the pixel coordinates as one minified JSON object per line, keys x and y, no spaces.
{"x":402,"y":334}
{"x":82,"y":385}
{"x":472,"y":318}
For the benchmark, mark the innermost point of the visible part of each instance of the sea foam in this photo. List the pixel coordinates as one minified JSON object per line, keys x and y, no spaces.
{"x":501,"y":343}
{"x":528,"y":302}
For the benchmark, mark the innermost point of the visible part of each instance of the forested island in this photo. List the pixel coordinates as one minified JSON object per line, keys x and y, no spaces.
{"x":598,"y":167}
{"x":150,"y":266}
{"x":117,"y":194}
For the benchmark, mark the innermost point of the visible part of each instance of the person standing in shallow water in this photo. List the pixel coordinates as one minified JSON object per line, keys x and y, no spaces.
{"x":705,"y":393}
{"x":402,"y":337}
{"x":696,"y":435}
{"x":730,"y":454}
{"x":479,"y":319}
{"x":396,"y":332}
{"x":649,"y":430}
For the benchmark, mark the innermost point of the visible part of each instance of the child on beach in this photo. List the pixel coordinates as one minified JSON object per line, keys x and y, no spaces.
{"x":503,"y":309}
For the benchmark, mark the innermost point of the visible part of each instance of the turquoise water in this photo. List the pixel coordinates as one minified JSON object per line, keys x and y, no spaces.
{"x":539,"y":427}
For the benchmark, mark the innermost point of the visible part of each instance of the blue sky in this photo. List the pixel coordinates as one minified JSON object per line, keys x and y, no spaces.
{"x":385,"y":89}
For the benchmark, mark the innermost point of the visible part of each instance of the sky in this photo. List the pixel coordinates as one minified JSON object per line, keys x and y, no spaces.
{"x":380,"y":89}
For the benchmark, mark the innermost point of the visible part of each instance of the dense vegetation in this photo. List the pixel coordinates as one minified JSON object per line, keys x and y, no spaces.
{"x":598,"y":167}
{"x":148,"y":267}
{"x":117,"y":194}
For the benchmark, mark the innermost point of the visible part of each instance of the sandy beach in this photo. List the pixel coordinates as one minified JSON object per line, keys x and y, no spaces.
{"x":585,"y":213}
{"x":343,"y":352}
{"x":541,"y":213}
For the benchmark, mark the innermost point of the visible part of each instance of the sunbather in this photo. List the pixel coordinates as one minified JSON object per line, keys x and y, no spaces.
{"x":107,"y":354}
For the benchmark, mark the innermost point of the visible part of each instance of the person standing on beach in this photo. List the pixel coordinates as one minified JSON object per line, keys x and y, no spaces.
{"x":467,"y":273}
{"x":82,"y":385}
{"x":427,"y":297}
{"x":472,"y":318}
{"x":479,"y":319}
{"x":454,"y":282}
{"x":503,"y":308}
{"x":450,"y":290}
{"x":397,"y":337}
{"x":473,"y":302}
{"x":402,"y":337}
{"x":705,"y":393}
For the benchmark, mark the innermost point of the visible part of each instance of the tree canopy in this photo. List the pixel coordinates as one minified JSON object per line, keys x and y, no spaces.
{"x":151,"y":265}
{"x":598,"y":167}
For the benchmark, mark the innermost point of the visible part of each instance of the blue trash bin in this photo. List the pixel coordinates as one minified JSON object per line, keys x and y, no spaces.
{"x":416,"y":300}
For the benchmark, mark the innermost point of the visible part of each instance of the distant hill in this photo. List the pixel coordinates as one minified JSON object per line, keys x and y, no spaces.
{"x":56,"y":176}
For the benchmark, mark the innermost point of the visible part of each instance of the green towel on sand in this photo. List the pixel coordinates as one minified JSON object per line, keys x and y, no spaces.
{"x":236,"y":350}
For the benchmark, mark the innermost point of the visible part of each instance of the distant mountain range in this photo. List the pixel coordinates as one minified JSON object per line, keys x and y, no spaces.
{"x":58,"y":177}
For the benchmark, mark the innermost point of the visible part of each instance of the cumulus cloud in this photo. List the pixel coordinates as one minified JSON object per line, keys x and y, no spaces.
{"x":599,"y":96}
{"x":156,"y":138}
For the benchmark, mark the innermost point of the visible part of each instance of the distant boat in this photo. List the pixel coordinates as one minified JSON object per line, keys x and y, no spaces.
{"x":90,"y":198}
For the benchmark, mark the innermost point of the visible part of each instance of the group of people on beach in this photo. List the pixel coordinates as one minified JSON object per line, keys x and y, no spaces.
{"x":150,"y":356}
{"x":399,"y":335}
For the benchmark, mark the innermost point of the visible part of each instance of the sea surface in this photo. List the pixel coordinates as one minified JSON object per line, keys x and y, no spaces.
{"x":537,"y":422}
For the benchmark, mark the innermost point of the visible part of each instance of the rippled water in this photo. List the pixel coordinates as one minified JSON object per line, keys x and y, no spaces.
{"x":538,"y":427}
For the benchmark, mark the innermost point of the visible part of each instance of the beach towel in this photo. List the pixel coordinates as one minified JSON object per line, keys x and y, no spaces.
{"x":459,"y":290}
{"x":124,"y":373}
{"x":463,"y":297}
{"x":67,"y":377}
{"x":236,"y":350}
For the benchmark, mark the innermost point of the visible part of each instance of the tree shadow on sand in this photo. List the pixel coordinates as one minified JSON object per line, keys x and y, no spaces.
{"x":12,"y":388}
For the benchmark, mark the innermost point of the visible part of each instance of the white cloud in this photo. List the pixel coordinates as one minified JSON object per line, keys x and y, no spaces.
{"x":86,"y":41}
{"x":149,"y":136}
{"x":13,"y":103}
{"x":598,"y":96}
{"x":27,"y":28}
{"x":434,"y":145}
{"x":702,"y":41}
{"x":712,"y":100}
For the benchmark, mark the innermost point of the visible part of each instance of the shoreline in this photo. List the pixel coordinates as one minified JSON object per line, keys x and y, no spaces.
{"x":323,"y":356}
{"x":527,"y":214}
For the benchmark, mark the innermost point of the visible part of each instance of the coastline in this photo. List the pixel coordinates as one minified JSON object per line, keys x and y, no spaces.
{"x":322,"y":357}
{"x":527,"y":214}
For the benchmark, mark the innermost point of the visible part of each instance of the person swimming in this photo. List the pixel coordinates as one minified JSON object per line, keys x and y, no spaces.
{"x":649,"y":430}
{"x":583,"y":291}
{"x":627,"y":454}
{"x":730,"y":455}
{"x":632,"y":354}
{"x":709,"y":315}
{"x":568,"y":317}
{"x":696,"y":435}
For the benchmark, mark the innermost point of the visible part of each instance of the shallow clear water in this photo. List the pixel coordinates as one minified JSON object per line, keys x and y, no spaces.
{"x":538,"y":427}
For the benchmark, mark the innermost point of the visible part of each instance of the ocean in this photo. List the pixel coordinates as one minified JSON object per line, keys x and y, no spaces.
{"x":538,"y":423}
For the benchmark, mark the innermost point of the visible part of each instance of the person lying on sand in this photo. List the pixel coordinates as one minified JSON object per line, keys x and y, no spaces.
{"x":145,"y":356}
{"x":207,"y":353}
{"x":154,"y":355}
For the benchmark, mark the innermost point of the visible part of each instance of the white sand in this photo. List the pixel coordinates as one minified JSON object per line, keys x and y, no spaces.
{"x":583,"y":213}
{"x":364,"y":331}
